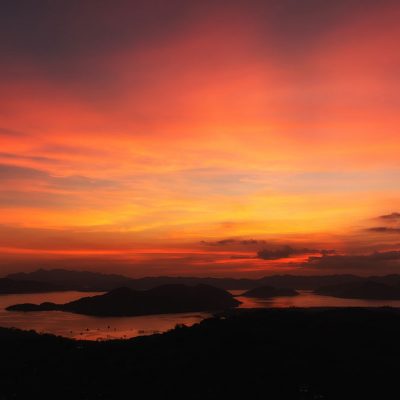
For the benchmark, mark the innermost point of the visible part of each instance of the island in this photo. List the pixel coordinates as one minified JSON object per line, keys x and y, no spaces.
{"x":124,"y":301}
{"x":368,"y":290}
{"x":264,"y":292}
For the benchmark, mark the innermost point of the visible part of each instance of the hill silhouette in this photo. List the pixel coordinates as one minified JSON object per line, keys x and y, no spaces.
{"x":128,"y":302}
{"x":12,"y":286}
{"x":74,"y":280}
{"x":62,"y":279}
{"x":269,"y":291}
{"x":296,"y":354}
{"x":362,"y":290}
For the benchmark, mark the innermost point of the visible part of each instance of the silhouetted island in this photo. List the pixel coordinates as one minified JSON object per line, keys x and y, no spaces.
{"x":128,"y":302}
{"x":361,"y":290}
{"x":264,"y":292}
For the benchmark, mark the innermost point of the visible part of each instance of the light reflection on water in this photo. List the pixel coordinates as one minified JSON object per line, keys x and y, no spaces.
{"x":94,"y":328}
{"x":307,"y":298}
{"x":78,"y":326}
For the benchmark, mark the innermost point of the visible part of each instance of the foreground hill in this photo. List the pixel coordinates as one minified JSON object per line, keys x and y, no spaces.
{"x":362,"y":290}
{"x":128,"y":302}
{"x":265,"y":292}
{"x":267,"y":354}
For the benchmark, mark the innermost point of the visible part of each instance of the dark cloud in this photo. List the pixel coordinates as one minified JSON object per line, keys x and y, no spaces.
{"x":62,"y":40}
{"x":48,"y":29}
{"x":379,"y":262}
{"x":384,"y":256}
{"x":274,"y":252}
{"x":390,"y":223}
{"x":384,"y":229}
{"x":13,"y":172}
{"x":242,"y":242}
{"x":61,"y":37}
{"x":268,"y":254}
{"x":327,"y":252}
{"x":395,"y":216}
{"x":287,"y":251}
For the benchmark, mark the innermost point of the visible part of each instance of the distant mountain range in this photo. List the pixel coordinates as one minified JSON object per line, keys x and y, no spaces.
{"x":94,"y":281}
{"x":10,"y":286}
{"x":60,"y":280}
{"x":128,"y":302}
{"x":74,"y":280}
{"x":362,"y":290}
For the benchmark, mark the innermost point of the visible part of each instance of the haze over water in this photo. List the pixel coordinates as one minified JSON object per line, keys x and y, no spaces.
{"x":78,"y":326}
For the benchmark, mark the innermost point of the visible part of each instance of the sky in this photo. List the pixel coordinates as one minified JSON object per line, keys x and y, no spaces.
{"x":219,"y":138}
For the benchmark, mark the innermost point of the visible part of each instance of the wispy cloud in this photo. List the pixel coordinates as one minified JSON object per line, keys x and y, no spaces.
{"x":288,"y":251}
{"x":394,"y":216}
{"x":384,"y":229}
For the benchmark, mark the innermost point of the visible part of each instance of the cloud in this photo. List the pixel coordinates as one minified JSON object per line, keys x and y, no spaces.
{"x":391,"y":224}
{"x":267,"y":254}
{"x":242,"y":242}
{"x":10,"y":132}
{"x":36,"y":199}
{"x":26,"y":187}
{"x":14,"y":173}
{"x":12,"y":156}
{"x":203,"y":112}
{"x":80,"y":182}
{"x":395,"y":216}
{"x":287,"y":251}
{"x":274,"y":252}
{"x":379,"y":262}
{"x":384,"y":229}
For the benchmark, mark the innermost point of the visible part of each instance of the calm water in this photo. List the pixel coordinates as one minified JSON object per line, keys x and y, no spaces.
{"x":84,"y":327}
{"x":94,"y":328}
{"x":308,"y":299}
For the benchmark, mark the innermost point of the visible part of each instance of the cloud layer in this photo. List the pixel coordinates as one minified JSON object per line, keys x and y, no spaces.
{"x":164,"y":124}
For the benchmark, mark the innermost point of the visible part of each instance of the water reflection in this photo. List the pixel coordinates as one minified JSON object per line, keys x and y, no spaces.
{"x":86,"y":327}
{"x":307,"y":298}
{"x":99,"y":328}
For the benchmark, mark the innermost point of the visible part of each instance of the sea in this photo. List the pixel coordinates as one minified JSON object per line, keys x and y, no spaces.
{"x":84,"y":327}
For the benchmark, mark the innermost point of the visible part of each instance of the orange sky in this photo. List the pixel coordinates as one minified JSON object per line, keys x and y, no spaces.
{"x":137,"y":135}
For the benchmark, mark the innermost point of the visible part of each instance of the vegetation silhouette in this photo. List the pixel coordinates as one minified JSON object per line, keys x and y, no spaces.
{"x":274,"y":353}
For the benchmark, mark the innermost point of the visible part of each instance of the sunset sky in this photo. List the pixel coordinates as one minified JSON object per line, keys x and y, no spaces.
{"x":183,"y":137}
